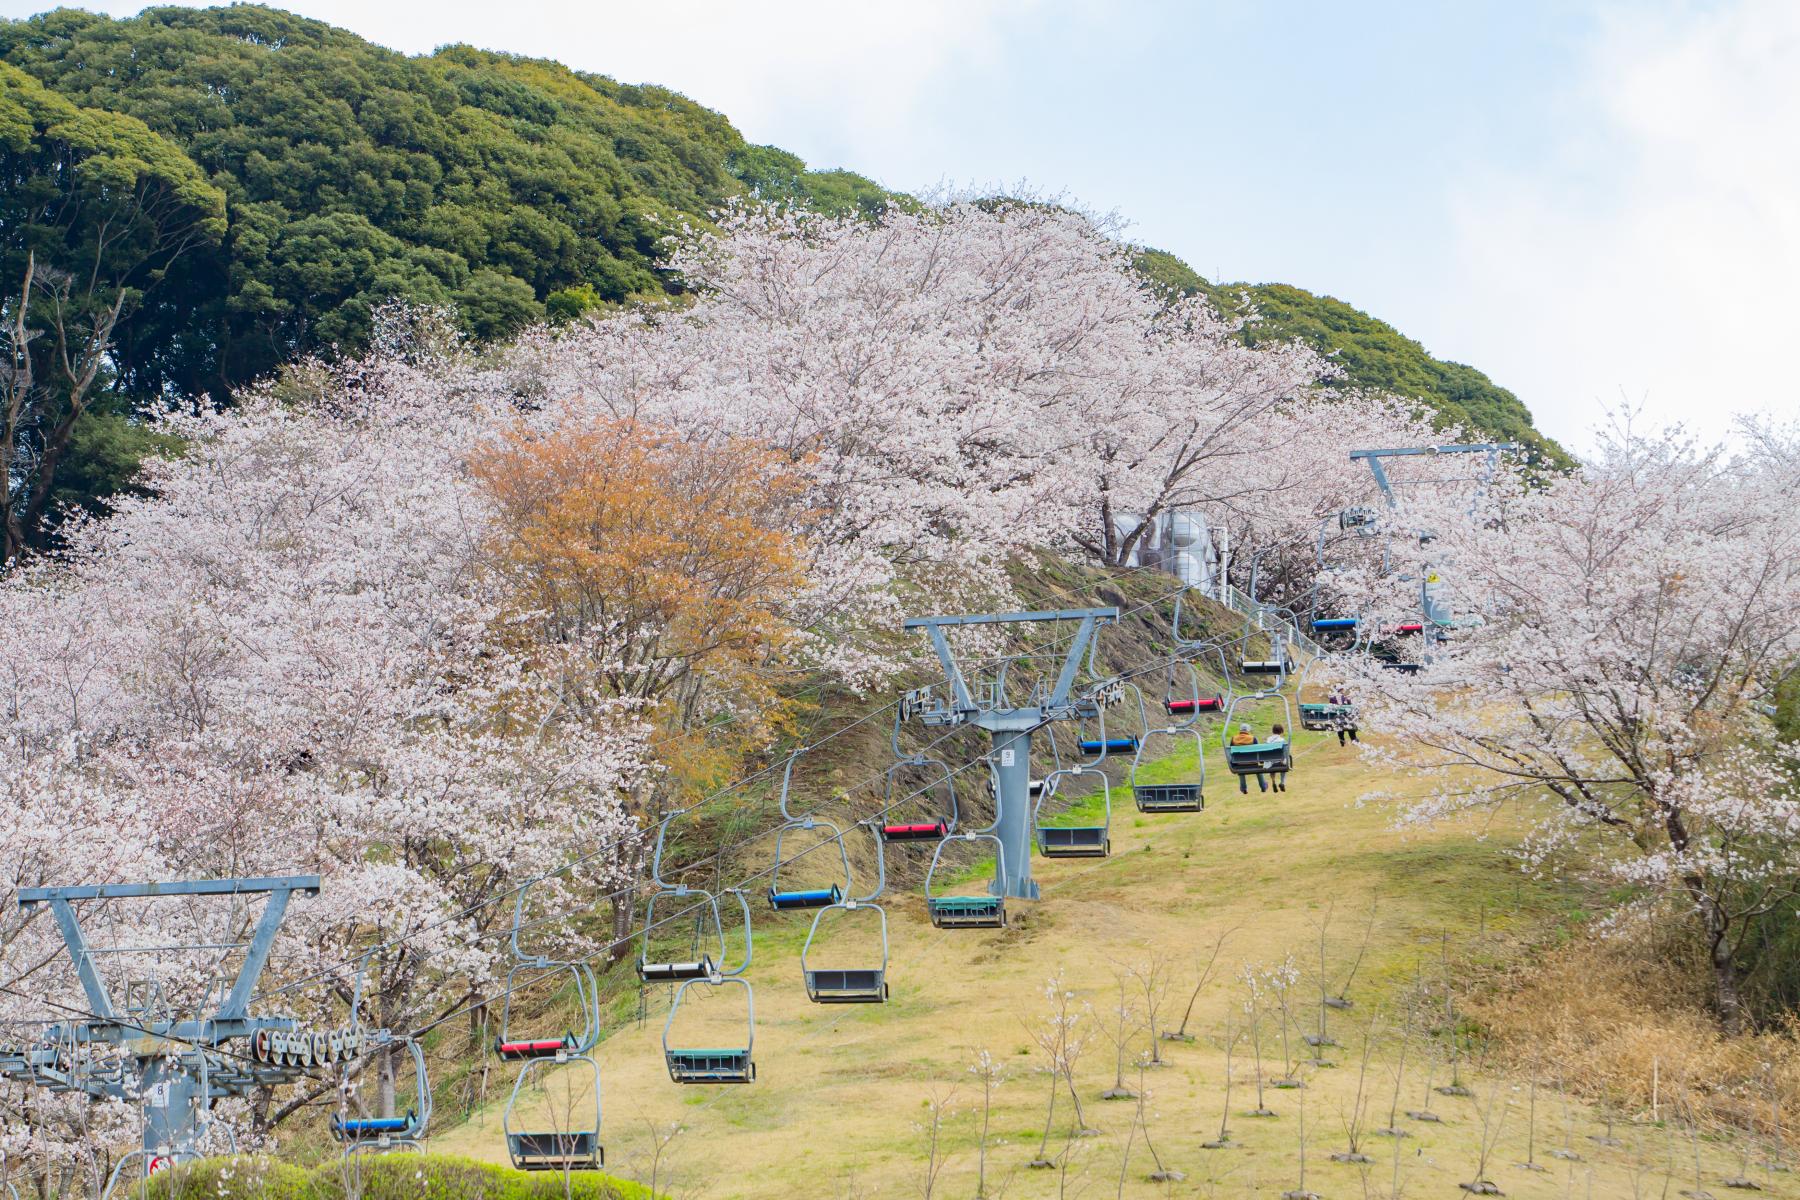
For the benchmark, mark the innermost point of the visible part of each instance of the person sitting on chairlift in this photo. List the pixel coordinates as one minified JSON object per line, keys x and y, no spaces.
{"x":1277,"y":737}
{"x":1347,"y":722}
{"x":1243,"y":737}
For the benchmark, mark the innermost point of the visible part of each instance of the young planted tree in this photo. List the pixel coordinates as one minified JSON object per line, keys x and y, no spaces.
{"x":1152,"y":977}
{"x":1233,"y":1035}
{"x":1061,"y":1038}
{"x":1355,"y":1117}
{"x":1121,"y":1024}
{"x":1201,"y":978}
{"x":1253,"y":1015}
{"x":990,"y":1072}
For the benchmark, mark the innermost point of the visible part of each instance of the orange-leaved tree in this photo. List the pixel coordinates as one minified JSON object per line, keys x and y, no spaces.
{"x":643,"y":564}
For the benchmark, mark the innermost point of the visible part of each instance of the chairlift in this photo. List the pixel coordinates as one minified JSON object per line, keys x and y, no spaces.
{"x":786,"y":899}
{"x":712,"y":1065}
{"x":1261,"y":757}
{"x":1357,"y":518}
{"x":553,"y":1150}
{"x":360,"y":1135}
{"x":941,"y":783}
{"x":509,"y":1043}
{"x":966,"y":912}
{"x":854,"y":985}
{"x":1181,"y":796}
{"x":1082,"y":841}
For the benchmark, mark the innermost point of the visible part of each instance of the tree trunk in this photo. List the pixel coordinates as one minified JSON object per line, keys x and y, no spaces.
{"x":386,"y":1082}
{"x":1728,"y":996}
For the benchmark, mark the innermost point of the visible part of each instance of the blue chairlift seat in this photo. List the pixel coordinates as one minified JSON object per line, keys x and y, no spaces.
{"x":968,"y":912}
{"x":1334,"y":624}
{"x":710,"y":1066}
{"x":578,"y":1151}
{"x":360,"y":1129}
{"x":1122,"y":745}
{"x":1168,"y":797}
{"x":1259,"y":758}
{"x":808,"y":898}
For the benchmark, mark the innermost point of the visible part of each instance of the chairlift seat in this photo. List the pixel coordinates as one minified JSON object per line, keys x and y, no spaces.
{"x":710,"y":1066}
{"x":935,"y":831}
{"x":864,"y":985}
{"x":674,"y":972}
{"x":358,"y":1129}
{"x":1405,"y":668}
{"x":1259,"y":758}
{"x":1410,"y":627}
{"x":1326,"y":717}
{"x":579,"y":1151}
{"x":540,"y":1048}
{"x":968,"y":912}
{"x":1205,"y":704}
{"x":1264,"y":666}
{"x":1334,"y":624}
{"x":808,"y":898}
{"x":1168,"y":797}
{"x":1121,"y":745}
{"x":1073,"y":841}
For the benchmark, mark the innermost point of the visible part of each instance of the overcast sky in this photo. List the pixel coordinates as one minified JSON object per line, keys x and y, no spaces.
{"x":1598,"y":204}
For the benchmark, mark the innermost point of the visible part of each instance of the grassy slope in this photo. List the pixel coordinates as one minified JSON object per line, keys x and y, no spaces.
{"x":841,"y":1094}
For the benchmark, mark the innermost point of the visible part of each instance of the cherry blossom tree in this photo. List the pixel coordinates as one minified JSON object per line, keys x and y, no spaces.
{"x":1626,"y":626}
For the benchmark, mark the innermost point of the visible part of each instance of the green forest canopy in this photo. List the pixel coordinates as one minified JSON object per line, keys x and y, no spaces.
{"x":515,"y":189}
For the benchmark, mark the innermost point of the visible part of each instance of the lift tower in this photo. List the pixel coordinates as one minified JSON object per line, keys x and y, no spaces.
{"x":176,"y":1067}
{"x":985,"y":705}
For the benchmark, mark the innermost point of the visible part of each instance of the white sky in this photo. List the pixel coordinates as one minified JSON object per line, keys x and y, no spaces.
{"x":1598,"y":204}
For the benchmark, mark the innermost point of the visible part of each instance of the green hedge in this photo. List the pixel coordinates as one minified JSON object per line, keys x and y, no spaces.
{"x":384,"y":1177}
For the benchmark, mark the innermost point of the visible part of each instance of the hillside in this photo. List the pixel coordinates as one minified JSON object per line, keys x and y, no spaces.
{"x":515,"y":190}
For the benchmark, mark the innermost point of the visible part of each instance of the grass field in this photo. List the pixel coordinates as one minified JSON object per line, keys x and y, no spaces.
{"x":845,"y":1095}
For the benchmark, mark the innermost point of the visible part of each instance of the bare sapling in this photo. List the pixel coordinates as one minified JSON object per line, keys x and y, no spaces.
{"x":1163,"y":1173}
{"x":990,"y":1073}
{"x":937,"y":1110}
{"x":1253,"y":1010}
{"x":1059,"y":1035}
{"x":1354,"y":1118}
{"x":1281,"y":984}
{"x":1566,"y":1151}
{"x":1233,"y":1034}
{"x":1453,"y":1031}
{"x":1299,"y":1191}
{"x":1120,"y":1024}
{"x":1492,"y":1115}
{"x":1200,"y":981}
{"x":1341,"y":997}
{"x":1152,"y":977}
{"x":1392,"y":1128}
{"x":1531,"y":1163}
{"x":1691,"y":1118}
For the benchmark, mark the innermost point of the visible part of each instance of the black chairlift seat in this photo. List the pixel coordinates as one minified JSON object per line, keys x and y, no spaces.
{"x":1265,"y":666}
{"x":1168,"y":797}
{"x":710,"y":1066}
{"x":555,"y":1151}
{"x":1259,"y":758}
{"x":1073,"y":841}
{"x":924,"y":831}
{"x":967,"y":912}
{"x":675,"y":972}
{"x":853,"y":986}
{"x":1326,"y":717}
{"x":1405,"y":668}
